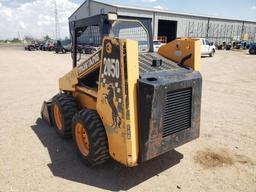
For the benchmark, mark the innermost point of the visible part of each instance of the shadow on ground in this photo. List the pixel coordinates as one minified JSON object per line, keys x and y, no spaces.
{"x":111,"y":176}
{"x":205,"y":56}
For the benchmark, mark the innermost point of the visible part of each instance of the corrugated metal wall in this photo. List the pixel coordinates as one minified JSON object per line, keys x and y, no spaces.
{"x":216,"y":30}
{"x":187,"y":26}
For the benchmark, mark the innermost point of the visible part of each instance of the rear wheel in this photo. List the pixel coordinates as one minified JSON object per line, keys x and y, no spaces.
{"x":90,"y":137}
{"x":64,"y":108}
{"x":252,"y":51}
{"x":212,"y":53}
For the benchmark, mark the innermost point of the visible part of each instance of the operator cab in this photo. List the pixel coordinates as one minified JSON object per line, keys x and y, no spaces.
{"x":134,"y":30}
{"x":88,"y":33}
{"x":91,"y":31}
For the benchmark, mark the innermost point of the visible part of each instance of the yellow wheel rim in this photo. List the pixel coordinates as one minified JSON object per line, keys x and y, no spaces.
{"x":82,"y":139}
{"x":57,"y":116}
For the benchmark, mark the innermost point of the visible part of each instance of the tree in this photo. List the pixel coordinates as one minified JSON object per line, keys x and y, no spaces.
{"x":66,"y":38}
{"x":15,"y":40}
{"x":28,"y":38}
{"x":46,"y":38}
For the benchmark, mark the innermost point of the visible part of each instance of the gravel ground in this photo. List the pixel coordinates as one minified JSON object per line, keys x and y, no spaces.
{"x":34,"y":158}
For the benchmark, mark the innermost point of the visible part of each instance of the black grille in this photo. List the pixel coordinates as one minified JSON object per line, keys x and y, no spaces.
{"x":177,"y":112}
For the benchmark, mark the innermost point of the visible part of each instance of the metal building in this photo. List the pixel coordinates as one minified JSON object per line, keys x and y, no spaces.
{"x":170,"y":25}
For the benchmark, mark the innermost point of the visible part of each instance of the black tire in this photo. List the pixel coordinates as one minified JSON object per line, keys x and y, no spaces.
{"x":252,"y":51}
{"x":68,"y":108}
{"x":92,"y":51}
{"x":212,"y":53}
{"x":98,"y":143}
{"x":87,"y":51}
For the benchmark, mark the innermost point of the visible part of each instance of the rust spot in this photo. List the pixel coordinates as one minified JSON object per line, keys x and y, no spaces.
{"x":211,"y":158}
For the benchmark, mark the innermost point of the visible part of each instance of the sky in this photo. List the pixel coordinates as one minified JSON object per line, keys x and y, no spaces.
{"x":19,"y":18}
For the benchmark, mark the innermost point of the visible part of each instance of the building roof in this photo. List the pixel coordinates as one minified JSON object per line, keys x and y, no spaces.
{"x":164,"y":11}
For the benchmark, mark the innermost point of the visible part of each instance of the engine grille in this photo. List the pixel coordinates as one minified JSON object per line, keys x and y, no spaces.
{"x":177,"y":112}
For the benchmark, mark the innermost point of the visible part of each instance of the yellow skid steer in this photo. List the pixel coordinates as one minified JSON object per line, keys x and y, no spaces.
{"x":126,"y":101}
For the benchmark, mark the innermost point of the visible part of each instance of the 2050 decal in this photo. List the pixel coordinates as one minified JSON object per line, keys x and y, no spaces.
{"x":111,"y":67}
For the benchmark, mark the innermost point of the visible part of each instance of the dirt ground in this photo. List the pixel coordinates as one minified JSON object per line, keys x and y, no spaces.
{"x":34,"y":158}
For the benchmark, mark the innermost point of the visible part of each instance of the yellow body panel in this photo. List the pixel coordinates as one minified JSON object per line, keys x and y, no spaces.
{"x":117,"y":99}
{"x":84,"y":100}
{"x":132,"y":124}
{"x":112,"y":119}
{"x":87,"y":90}
{"x":68,"y":82}
{"x":178,"y":49}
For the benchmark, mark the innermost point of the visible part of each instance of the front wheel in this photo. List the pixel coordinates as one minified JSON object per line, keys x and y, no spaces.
{"x":64,"y":107}
{"x":90,"y":137}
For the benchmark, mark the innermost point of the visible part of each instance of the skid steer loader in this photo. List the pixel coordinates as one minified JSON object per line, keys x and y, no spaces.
{"x":125,"y":101}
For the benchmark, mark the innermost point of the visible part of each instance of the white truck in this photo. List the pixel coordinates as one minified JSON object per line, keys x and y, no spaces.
{"x":157,"y":44}
{"x":207,"y":48}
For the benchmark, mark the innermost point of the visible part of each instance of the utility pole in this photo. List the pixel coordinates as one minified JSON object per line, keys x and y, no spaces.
{"x":242,"y":32}
{"x":19,"y":35}
{"x":57,"y":26}
{"x":208,"y":28}
{"x":89,"y":7}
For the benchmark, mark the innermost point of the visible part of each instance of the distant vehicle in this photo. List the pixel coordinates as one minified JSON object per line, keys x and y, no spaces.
{"x":48,"y":46}
{"x":207,"y":48}
{"x":244,"y":44}
{"x":228,"y":46}
{"x":63,"y":46}
{"x":89,"y":49}
{"x":157,"y":45}
{"x":252,"y":49}
{"x":41,"y":45}
{"x":32,"y":46}
{"x":219,"y":46}
{"x":238,"y":45}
